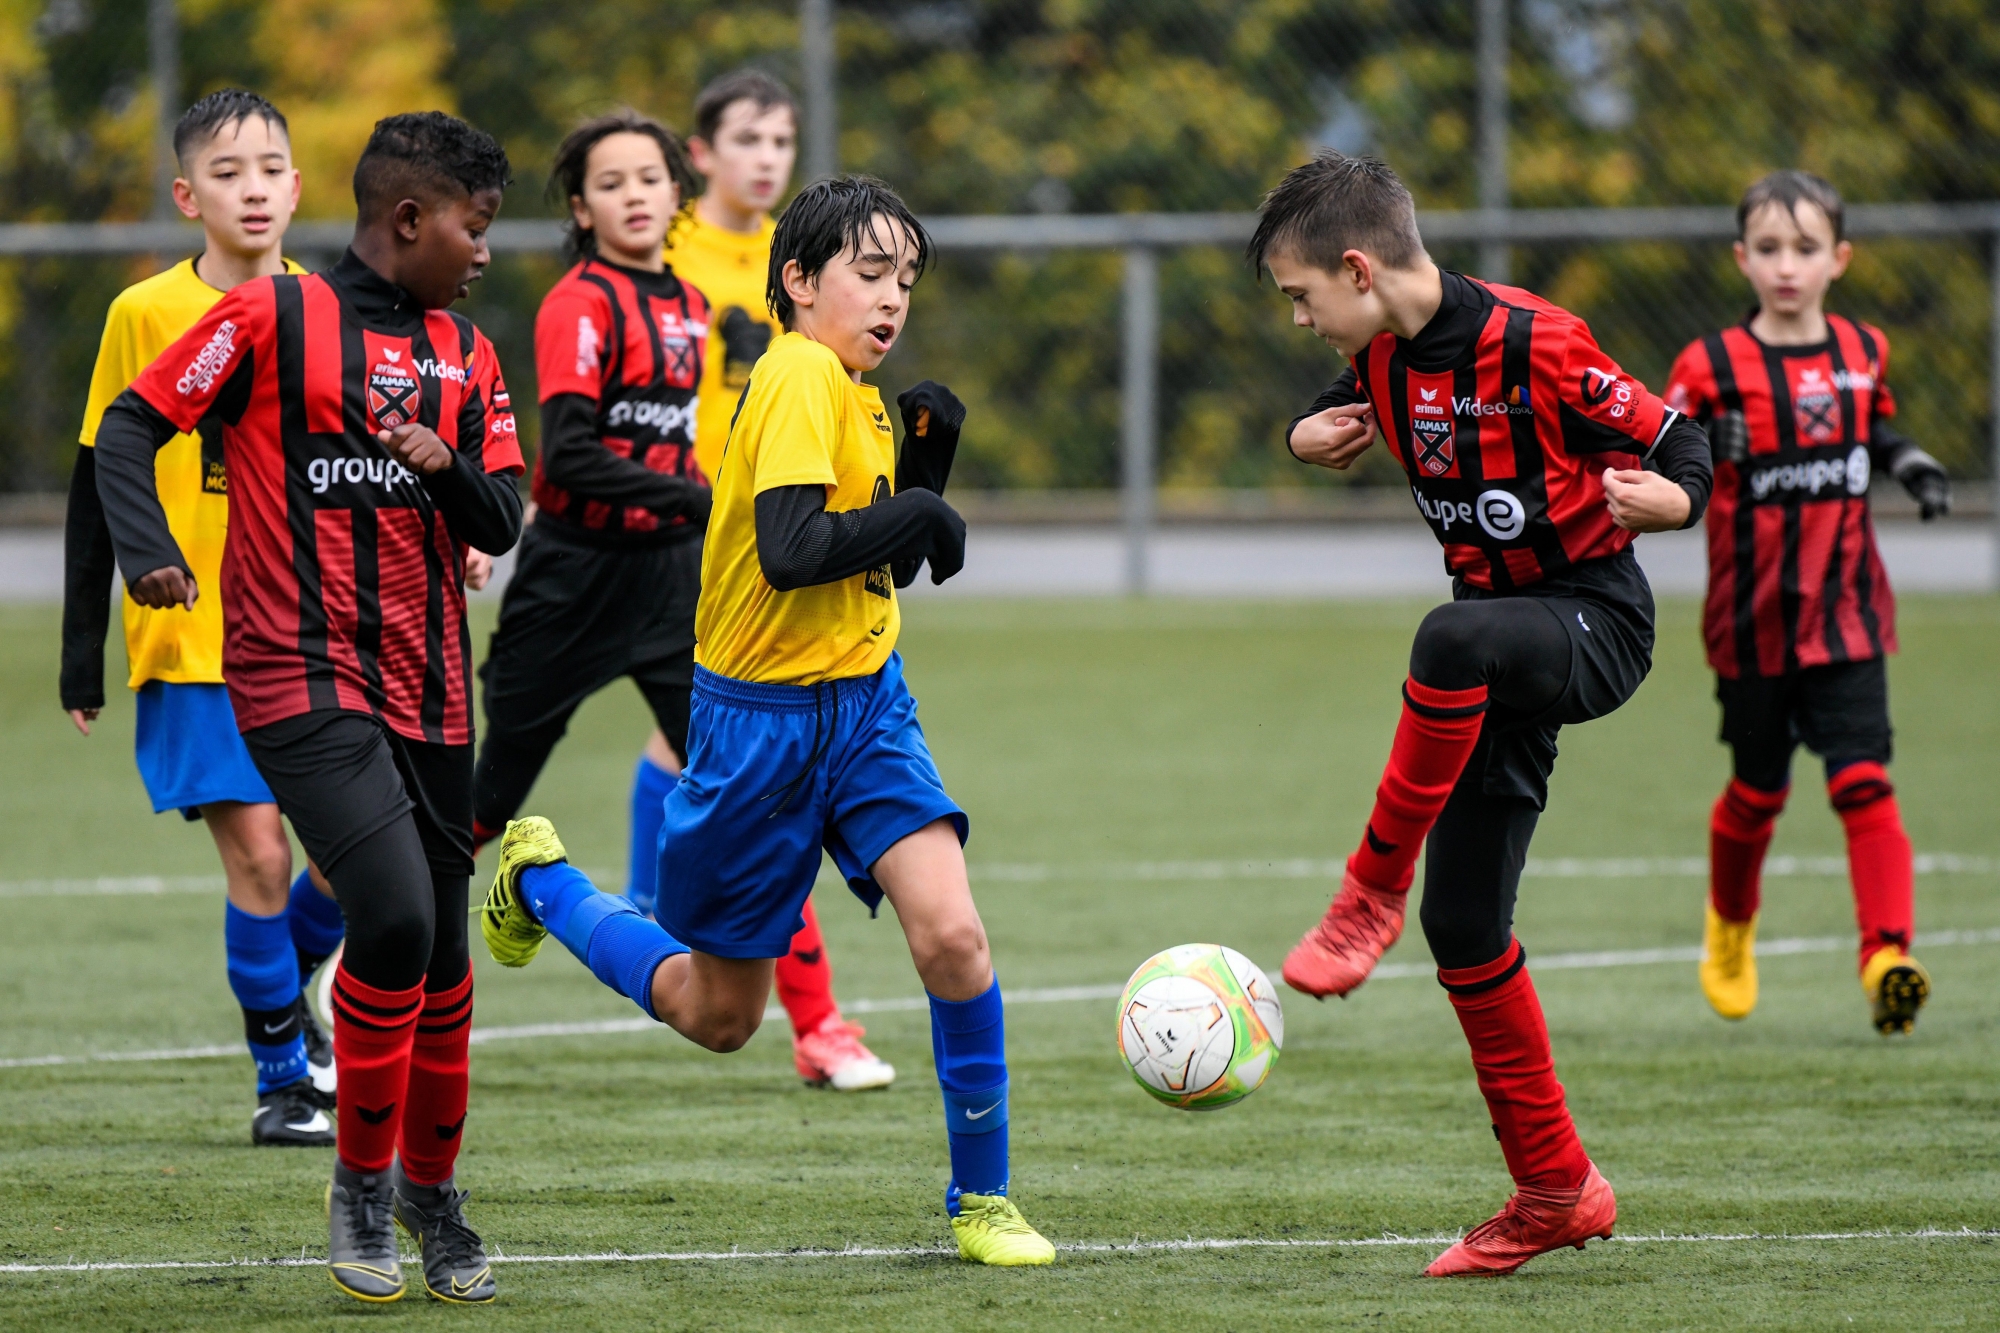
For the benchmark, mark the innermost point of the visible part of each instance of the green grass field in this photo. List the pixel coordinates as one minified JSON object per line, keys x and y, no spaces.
{"x":1085,"y":739}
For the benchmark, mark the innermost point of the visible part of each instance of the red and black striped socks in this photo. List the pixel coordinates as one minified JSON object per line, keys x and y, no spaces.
{"x":440,"y":1077}
{"x":1879,"y":860}
{"x":1502,"y":1018}
{"x":372,"y":1033}
{"x":1433,"y":741}
{"x":805,"y":977}
{"x":1739,"y":832}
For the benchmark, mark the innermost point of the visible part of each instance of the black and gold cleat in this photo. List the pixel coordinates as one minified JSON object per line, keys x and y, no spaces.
{"x":1897,"y":986}
{"x":455,"y":1267}
{"x":361,"y":1245}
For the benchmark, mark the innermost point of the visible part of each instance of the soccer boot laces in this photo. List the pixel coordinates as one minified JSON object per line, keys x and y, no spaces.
{"x":1338,"y":954}
{"x":1729,"y":965}
{"x":991,"y":1230}
{"x":1897,"y":986}
{"x":455,"y":1267}
{"x":512,"y":934}
{"x":291,"y":1116}
{"x":1535,"y":1221}
{"x":361,"y":1252}
{"x":832,"y":1056}
{"x":319,"y":1056}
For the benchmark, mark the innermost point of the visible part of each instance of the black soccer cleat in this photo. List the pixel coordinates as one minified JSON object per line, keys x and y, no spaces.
{"x":455,"y":1267}
{"x":319,"y":1056}
{"x":361,"y":1255}
{"x":291,"y":1116}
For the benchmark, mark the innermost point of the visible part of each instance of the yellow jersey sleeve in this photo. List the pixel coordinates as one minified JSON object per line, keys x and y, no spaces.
{"x":796,"y":425}
{"x":118,"y":363}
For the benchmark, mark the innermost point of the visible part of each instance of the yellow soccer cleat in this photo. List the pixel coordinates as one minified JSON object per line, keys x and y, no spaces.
{"x":1897,"y":986}
{"x":1729,"y":965}
{"x":512,"y":934}
{"x":991,"y":1230}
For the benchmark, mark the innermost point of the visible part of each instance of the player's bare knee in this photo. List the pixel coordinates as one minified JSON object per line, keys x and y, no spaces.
{"x":727,"y":1031}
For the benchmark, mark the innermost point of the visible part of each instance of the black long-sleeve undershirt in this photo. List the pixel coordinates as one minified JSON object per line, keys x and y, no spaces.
{"x":574,"y":458}
{"x":800,"y":543}
{"x":88,"y":567}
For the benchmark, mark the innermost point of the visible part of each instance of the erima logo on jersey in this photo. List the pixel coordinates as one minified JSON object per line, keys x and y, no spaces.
{"x":663,"y":417}
{"x":209,"y":362}
{"x":326,"y":472}
{"x":1850,"y":473}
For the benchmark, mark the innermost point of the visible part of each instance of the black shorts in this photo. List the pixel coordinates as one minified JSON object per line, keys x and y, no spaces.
{"x":1606,"y":607}
{"x":577,"y":617}
{"x":1840,"y":712}
{"x":341,"y":776}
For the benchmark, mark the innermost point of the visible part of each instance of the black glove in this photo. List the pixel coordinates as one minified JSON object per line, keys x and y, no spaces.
{"x":1924,"y":478}
{"x":946,"y":531}
{"x":1728,"y":437}
{"x":932,"y":416}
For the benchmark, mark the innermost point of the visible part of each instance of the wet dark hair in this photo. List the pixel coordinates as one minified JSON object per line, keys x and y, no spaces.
{"x":1333,"y":204}
{"x":742,"y":85}
{"x":573,"y":162}
{"x":226,"y":106}
{"x":1789,"y":189}
{"x":829,"y":218}
{"x":426,"y":154}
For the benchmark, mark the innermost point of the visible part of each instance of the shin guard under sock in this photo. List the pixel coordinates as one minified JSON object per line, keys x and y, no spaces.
{"x":264,"y":975}
{"x":650,"y":785}
{"x":1879,"y":861}
{"x":316,"y":923}
{"x":969,"y":1043}
{"x":1739,"y":833}
{"x":440,"y":1076}
{"x":1433,"y":741}
{"x":805,"y":977}
{"x":372,"y":1034}
{"x":604,"y":930}
{"x":1502,"y":1018}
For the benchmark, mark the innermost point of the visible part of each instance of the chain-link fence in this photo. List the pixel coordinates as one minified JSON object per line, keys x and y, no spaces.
{"x":1084,"y":107}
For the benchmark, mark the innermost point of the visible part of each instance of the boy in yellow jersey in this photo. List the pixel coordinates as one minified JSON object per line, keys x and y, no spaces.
{"x":237,"y":178}
{"x":744,"y":145}
{"x":803,"y":734}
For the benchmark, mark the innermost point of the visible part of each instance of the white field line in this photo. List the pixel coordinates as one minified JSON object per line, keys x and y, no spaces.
{"x":1555,"y":962}
{"x":1132,"y":1247}
{"x":1000,"y":872}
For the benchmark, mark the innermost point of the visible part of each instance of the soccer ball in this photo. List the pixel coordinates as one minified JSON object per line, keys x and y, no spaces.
{"x":1200,"y":1025}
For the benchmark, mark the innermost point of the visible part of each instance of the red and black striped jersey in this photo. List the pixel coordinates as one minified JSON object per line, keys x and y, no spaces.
{"x":1505,"y":414}
{"x":1794,"y":575}
{"x":342,"y":586}
{"x":632,"y":343}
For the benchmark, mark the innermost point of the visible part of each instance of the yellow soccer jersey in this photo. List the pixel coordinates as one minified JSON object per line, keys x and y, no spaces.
{"x":729,"y":268}
{"x":184,"y":647}
{"x":803,"y":422}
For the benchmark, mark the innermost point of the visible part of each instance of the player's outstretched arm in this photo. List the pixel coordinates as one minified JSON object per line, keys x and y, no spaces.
{"x":88,"y":564}
{"x":156,"y":572}
{"x":800,"y":543}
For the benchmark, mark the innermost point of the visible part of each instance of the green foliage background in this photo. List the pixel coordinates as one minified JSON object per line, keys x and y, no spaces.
{"x":1104,"y":105}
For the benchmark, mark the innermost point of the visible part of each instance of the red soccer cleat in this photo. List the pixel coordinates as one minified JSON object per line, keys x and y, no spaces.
{"x":1338,"y":954}
{"x":1533,"y":1222}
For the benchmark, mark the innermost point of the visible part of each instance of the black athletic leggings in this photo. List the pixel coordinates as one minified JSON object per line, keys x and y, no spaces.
{"x":1520,"y":651}
{"x":405,"y":922}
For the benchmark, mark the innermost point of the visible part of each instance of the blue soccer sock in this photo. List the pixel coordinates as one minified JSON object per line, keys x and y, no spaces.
{"x":969,"y":1042}
{"x":264,"y":973}
{"x":650,"y":785}
{"x":316,"y":923}
{"x":604,"y":930}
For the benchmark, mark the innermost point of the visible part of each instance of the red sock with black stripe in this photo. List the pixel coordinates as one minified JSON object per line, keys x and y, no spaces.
{"x":1502,"y":1018}
{"x":805,"y":977}
{"x":372,"y":1032}
{"x":1879,"y":861}
{"x":1739,"y":833}
{"x":1433,"y":740}
{"x":440,"y":1078}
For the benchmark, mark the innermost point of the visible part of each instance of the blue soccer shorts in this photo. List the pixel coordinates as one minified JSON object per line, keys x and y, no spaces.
{"x":775,"y":774}
{"x":189,"y":750}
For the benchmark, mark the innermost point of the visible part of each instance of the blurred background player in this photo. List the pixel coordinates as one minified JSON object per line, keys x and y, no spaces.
{"x":805,"y":737}
{"x":370,"y":440}
{"x":237,"y":179}
{"x":1535,"y":459}
{"x":744,"y":145}
{"x":1800,"y":620}
{"x":610,"y":567}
